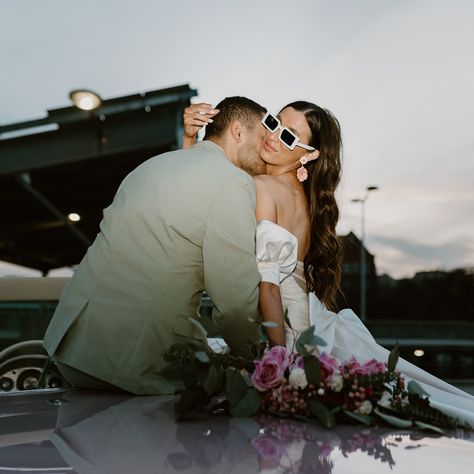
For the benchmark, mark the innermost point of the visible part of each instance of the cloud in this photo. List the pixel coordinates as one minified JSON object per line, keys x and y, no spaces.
{"x":408,"y":256}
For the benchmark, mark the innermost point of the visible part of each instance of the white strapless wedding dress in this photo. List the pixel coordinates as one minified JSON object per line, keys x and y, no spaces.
{"x":344,"y":332}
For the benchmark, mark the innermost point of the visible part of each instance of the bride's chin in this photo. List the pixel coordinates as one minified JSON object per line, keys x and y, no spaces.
{"x":266,"y":157}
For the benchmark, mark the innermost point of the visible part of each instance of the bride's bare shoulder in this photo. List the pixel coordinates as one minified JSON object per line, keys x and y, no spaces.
{"x":266,"y":198}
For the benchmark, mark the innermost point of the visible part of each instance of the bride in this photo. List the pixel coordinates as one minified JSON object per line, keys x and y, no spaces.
{"x":298,"y":253}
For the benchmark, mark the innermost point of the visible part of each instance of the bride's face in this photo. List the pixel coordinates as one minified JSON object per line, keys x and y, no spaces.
{"x":274,"y":152}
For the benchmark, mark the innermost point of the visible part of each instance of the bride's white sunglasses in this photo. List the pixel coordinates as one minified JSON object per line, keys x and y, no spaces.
{"x":287,"y":137}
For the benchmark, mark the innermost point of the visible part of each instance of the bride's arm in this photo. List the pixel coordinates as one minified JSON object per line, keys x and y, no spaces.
{"x":271,"y":309}
{"x":269,"y":301}
{"x":195,"y":117}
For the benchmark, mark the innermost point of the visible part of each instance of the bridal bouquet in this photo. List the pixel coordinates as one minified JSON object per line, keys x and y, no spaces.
{"x":305,"y":384}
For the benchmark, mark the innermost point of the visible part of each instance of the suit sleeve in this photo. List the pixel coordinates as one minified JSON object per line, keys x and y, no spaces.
{"x":231,"y":276}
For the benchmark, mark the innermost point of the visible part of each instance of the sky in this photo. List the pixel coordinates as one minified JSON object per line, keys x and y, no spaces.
{"x":399,"y":76}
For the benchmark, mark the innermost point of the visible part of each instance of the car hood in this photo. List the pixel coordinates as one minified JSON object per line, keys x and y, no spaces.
{"x":80,"y":431}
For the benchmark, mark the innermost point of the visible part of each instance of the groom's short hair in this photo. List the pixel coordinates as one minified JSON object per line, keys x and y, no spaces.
{"x":234,"y":108}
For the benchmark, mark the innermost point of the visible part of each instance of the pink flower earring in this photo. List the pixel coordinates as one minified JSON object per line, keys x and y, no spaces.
{"x":302,"y":172}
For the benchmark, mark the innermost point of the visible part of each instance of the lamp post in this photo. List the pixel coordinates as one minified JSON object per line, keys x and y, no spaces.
{"x":362,"y":267}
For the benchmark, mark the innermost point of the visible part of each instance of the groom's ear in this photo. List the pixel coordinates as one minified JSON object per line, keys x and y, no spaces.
{"x":236,"y":130}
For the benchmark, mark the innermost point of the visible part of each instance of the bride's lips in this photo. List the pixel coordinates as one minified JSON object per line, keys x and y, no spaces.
{"x":267,"y":146}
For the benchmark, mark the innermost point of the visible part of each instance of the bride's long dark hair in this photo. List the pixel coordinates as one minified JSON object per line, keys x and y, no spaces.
{"x":323,"y":262}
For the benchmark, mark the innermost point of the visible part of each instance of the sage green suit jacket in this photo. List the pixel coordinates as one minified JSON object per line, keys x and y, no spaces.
{"x":180,"y":223}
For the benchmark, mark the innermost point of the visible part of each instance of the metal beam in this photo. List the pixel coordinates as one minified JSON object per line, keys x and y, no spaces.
{"x":25,"y":182}
{"x":172,"y":95}
{"x":111,"y":136}
{"x":149,"y":120}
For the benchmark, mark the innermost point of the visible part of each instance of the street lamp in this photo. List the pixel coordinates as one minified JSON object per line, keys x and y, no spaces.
{"x":85,"y":99}
{"x":362,"y":285}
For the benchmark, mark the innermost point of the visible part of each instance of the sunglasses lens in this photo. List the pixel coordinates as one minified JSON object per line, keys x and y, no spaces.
{"x":287,"y":137}
{"x":271,"y":123}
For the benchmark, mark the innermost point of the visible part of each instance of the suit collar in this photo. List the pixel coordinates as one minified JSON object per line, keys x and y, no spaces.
{"x":210,"y":145}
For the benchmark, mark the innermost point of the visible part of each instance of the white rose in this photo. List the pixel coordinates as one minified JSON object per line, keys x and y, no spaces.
{"x":365,"y":408}
{"x":385,"y":400}
{"x":298,"y":378}
{"x":337,"y":383}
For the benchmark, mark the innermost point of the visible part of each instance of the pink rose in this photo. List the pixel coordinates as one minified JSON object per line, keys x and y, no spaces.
{"x":374,"y":367}
{"x":328,"y":367}
{"x":280,"y":354}
{"x":270,"y":450}
{"x":353,"y":367}
{"x":270,"y":370}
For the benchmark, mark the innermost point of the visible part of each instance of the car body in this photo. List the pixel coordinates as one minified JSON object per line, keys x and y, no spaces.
{"x":78,"y":431}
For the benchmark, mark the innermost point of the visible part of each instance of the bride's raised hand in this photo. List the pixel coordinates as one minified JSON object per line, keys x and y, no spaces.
{"x":195,"y":117}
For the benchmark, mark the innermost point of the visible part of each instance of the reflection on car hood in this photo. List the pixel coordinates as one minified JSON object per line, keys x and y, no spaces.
{"x":98,"y":432}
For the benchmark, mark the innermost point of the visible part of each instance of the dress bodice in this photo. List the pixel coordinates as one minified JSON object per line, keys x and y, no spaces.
{"x":277,"y":261}
{"x":277,"y":252}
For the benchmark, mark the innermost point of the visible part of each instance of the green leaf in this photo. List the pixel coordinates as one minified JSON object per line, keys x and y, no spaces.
{"x":173,"y":370}
{"x":279,"y":414}
{"x":393,"y":357}
{"x":270,"y":324}
{"x":312,"y":369}
{"x":190,"y":401}
{"x":317,"y":341}
{"x":301,"y":349}
{"x":321,"y":413}
{"x":300,"y":417}
{"x":287,"y":319}
{"x":235,"y":386}
{"x":426,"y":426}
{"x":393,"y":420}
{"x":306,"y":336}
{"x":202,"y":356}
{"x":414,"y":387}
{"x":364,"y":419}
{"x":174,"y":351}
{"x":248,"y":405}
{"x":214,"y":382}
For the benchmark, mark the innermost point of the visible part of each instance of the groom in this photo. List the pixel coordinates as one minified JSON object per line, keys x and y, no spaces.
{"x":180,"y":223}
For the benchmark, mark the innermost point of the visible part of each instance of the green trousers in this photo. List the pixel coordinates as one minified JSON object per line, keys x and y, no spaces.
{"x":79,"y":379}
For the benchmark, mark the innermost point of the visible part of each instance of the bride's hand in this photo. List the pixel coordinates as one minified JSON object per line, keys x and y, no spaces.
{"x":195,"y":117}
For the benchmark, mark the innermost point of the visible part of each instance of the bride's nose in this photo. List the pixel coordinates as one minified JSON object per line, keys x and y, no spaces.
{"x":273,"y":136}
